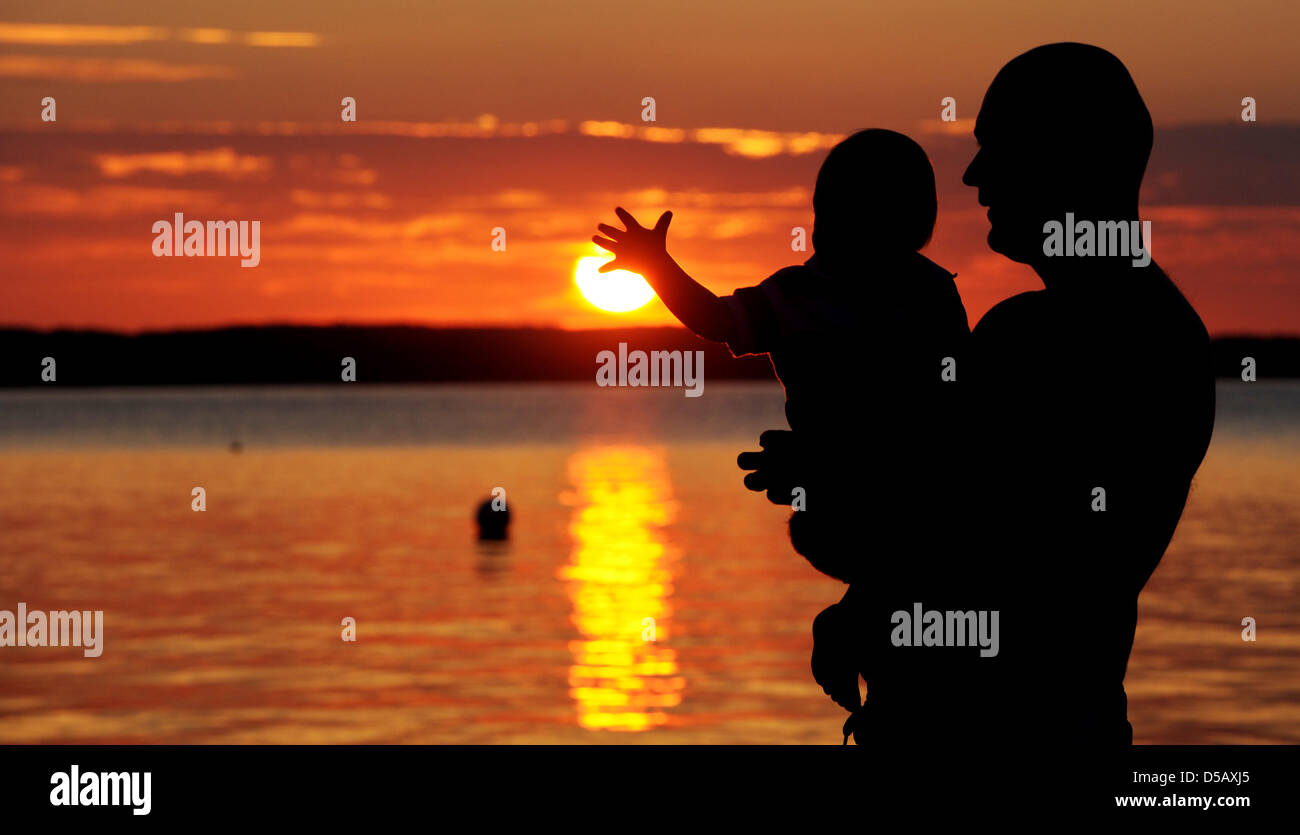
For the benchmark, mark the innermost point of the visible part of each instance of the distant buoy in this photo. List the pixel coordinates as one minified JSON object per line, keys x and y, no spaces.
{"x":236,"y":446}
{"x":492,"y":524}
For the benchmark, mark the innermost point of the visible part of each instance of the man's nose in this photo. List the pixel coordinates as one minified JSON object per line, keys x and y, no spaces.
{"x":972,"y":172}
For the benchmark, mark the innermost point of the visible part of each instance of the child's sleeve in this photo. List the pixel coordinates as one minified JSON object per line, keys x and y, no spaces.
{"x":756,"y":323}
{"x":752,"y":322}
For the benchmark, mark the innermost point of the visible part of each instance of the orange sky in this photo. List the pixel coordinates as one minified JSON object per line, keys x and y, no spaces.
{"x":514,"y":115}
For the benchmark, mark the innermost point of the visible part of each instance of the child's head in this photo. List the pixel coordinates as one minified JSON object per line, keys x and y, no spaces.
{"x":875,"y":195}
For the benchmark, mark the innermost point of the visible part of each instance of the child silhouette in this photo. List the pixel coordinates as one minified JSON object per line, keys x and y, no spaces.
{"x":866,"y":305}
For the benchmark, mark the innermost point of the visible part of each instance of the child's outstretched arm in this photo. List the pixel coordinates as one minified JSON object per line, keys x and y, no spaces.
{"x":645,"y":251}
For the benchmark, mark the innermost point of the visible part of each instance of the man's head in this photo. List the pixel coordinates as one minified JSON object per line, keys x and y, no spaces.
{"x":1062,"y":129}
{"x":875,"y":191}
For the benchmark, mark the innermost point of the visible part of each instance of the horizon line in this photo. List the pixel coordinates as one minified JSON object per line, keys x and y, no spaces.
{"x":396,"y":324}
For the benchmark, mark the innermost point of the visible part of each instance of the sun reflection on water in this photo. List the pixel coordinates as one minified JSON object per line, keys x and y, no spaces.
{"x":619,"y":578}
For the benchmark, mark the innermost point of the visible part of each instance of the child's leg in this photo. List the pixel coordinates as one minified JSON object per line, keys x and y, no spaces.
{"x":836,"y":659}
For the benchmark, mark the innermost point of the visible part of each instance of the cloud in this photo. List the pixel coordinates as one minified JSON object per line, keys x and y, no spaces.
{"x":101,"y":201}
{"x":223,"y":161}
{"x":338,"y":200}
{"x":106,"y":69}
{"x":486,"y":126}
{"x":957,"y":127}
{"x":339,"y":226}
{"x":67,"y":34}
{"x":207,"y":36}
{"x":292,"y":39}
{"x":745,"y":142}
{"x":795,"y":197}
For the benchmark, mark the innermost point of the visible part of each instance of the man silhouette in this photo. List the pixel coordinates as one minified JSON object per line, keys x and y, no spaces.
{"x":1087,"y":409}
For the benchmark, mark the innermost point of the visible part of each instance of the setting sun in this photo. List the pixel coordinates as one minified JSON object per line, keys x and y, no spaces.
{"x":617,"y":291}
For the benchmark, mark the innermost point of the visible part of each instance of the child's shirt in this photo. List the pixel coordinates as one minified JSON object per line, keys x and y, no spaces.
{"x":832,"y":338}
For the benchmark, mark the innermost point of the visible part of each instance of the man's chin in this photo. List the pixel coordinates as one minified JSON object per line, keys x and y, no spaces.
{"x":1015,"y":249}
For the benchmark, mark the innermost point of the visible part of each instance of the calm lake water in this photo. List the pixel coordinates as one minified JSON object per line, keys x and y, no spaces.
{"x":356,"y":501}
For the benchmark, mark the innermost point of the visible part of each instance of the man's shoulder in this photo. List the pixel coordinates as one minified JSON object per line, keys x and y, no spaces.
{"x":1028,"y":300}
{"x":1013,"y":313}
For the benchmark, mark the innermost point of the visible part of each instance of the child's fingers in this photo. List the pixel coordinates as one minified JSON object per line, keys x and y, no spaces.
{"x":611,"y":231}
{"x":609,"y":266}
{"x":628,"y":220}
{"x":606,"y":243}
{"x":661,"y":225}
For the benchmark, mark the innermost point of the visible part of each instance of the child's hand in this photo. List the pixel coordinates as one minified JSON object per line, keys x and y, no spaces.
{"x":635,"y":248}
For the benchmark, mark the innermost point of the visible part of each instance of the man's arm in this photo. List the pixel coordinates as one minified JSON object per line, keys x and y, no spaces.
{"x":777,"y":469}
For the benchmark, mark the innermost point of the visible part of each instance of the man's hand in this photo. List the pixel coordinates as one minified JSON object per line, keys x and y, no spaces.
{"x":774,"y":467}
{"x":635,"y":248}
